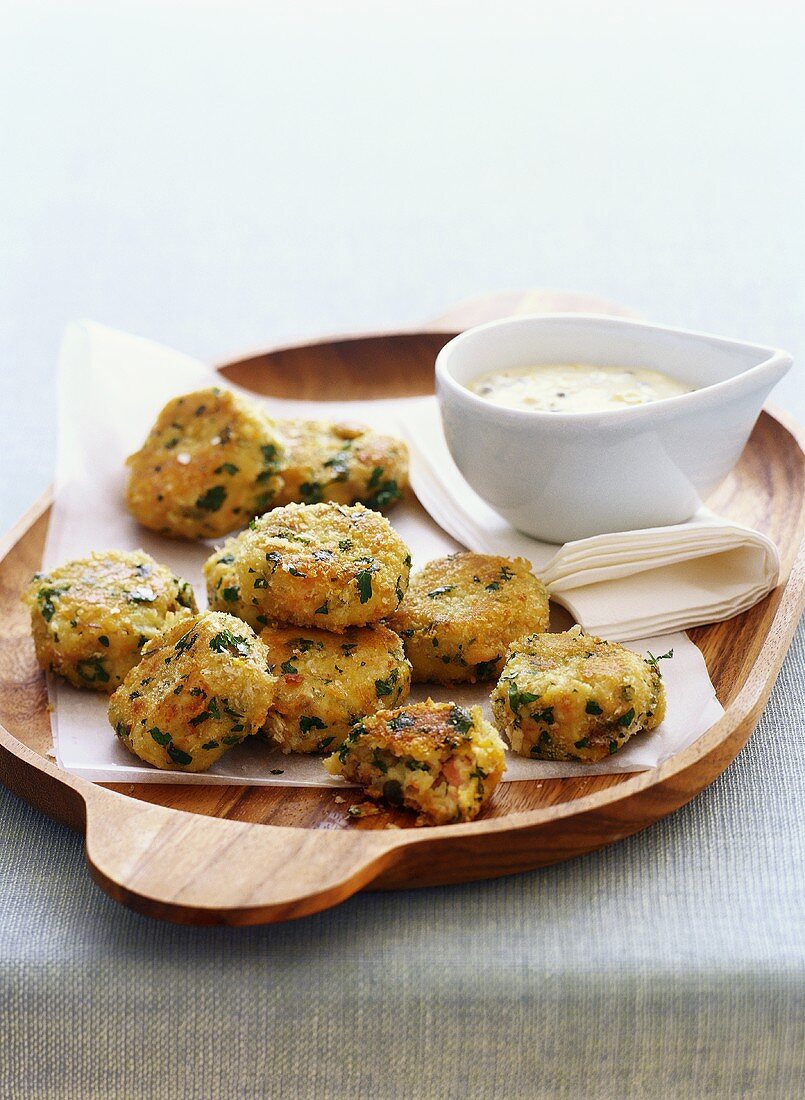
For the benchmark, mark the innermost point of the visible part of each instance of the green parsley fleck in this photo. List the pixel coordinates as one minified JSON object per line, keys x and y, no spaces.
{"x":185,"y":596}
{"x":311,"y":492}
{"x":386,"y":494}
{"x":186,"y":642}
{"x":416,"y":765}
{"x":142,"y":594}
{"x":339,"y":465}
{"x":364,"y":583}
{"x":401,"y":722}
{"x":308,"y":723}
{"x":227,"y":642}
{"x":545,"y":716}
{"x":179,"y":756}
{"x":91,"y":669}
{"x":518,"y":698}
{"x":655,"y":661}
{"x":461,"y":719}
{"x":386,"y":687}
{"x":440,"y":591}
{"x":212,"y":500}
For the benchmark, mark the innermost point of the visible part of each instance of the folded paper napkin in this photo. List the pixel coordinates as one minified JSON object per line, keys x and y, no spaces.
{"x":111,"y":387}
{"x":630,"y":584}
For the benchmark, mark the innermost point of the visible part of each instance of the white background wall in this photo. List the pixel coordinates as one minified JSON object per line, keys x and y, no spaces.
{"x":224,"y":175}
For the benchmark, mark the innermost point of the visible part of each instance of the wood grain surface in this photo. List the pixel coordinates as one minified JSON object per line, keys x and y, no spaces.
{"x":234,"y":854}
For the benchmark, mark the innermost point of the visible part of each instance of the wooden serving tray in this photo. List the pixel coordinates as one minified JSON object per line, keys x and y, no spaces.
{"x":246,"y":855}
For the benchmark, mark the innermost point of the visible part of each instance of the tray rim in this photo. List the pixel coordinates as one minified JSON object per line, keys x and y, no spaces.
{"x":377,"y":849}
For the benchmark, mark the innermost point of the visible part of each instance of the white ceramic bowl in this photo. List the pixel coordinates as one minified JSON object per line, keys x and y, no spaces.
{"x":564,"y":476}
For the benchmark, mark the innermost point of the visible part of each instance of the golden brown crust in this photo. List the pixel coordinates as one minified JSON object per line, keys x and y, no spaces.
{"x":328,"y":682}
{"x":208,"y":465}
{"x":345,"y":463}
{"x":201,"y":687}
{"x":461,"y":613}
{"x":329,"y":566}
{"x":575,"y":697}
{"x":91,"y":617}
{"x":440,"y":759}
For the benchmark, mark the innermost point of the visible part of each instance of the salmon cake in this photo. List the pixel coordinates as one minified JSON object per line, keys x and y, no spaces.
{"x":208,"y":465}
{"x":328,"y":682}
{"x":439,"y":759}
{"x":346,"y":463}
{"x":201,"y":687}
{"x":329,"y":566}
{"x":461,"y":613}
{"x":91,"y":618}
{"x":576,"y":697}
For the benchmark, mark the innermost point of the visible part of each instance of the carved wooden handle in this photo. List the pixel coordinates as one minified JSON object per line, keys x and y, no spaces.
{"x":193,"y":869}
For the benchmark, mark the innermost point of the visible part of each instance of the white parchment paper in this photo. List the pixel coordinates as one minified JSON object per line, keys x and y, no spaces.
{"x":111,"y":387}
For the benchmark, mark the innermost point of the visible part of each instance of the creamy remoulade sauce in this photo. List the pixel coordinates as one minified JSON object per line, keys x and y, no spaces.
{"x":575,"y":387}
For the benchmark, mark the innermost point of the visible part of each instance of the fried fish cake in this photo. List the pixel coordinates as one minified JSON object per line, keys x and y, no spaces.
{"x":208,"y":465}
{"x":327,"y":682}
{"x":91,"y":617}
{"x":461,"y":613}
{"x":439,"y":759}
{"x":346,"y":463}
{"x":575,"y":697}
{"x":201,"y":687}
{"x":325,"y":565}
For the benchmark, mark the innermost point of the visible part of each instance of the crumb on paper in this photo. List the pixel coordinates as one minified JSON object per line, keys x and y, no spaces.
{"x":50,"y":754}
{"x":278,"y":771}
{"x":49,"y":708}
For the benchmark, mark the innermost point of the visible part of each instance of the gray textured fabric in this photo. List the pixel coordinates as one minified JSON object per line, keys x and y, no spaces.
{"x":670,"y":965}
